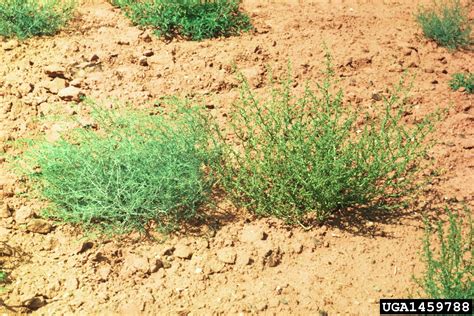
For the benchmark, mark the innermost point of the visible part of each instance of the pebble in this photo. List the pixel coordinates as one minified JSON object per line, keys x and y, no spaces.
{"x":148,"y":53}
{"x":11,"y":44}
{"x":135,"y":264}
{"x":103,"y":272}
{"x":54,"y":71}
{"x":143,"y":61}
{"x":251,"y":233}
{"x":94,"y":58}
{"x":39,"y":226}
{"x":5,"y":210}
{"x":23,"y":214}
{"x":183,"y":252}
{"x":227,"y":255}
{"x":35,"y":303}
{"x":71,"y":94}
{"x":376,"y":96}
{"x":55,"y":85}
{"x":4,"y":234}
{"x":71,"y":283}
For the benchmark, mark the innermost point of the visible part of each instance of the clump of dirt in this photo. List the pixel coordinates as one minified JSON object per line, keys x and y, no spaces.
{"x":244,"y":264}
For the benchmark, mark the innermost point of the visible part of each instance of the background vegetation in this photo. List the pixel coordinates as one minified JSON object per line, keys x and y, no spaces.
{"x":192,"y":19}
{"x":449,"y":269}
{"x":446,"y":22}
{"x":27,"y":18}
{"x":461,"y":80}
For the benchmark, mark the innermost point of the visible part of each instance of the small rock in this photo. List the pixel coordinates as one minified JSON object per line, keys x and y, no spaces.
{"x":54,"y":71}
{"x":272,"y":257}
{"x":135,"y":264}
{"x":94,"y":58}
{"x":35,"y":303}
{"x":6,"y":210}
{"x":25,"y":88}
{"x":71,"y":283}
{"x":227,"y":255}
{"x":166,"y":264}
{"x":23,"y":214}
{"x":71,"y":94}
{"x":148,"y":53}
{"x":252,"y":233}
{"x":155,"y":264}
{"x":85,"y":246}
{"x":183,"y":252}
{"x":146,"y":37}
{"x":4,"y":234}
{"x":39,"y":226}
{"x":243,"y":259}
{"x":103,"y":272}
{"x":76,"y":83}
{"x":462,"y":89}
{"x":297,"y":248}
{"x":11,"y":44}
{"x":143,"y":61}
{"x":167,"y":251}
{"x":216,"y":266}
{"x":261,"y":306}
{"x":376,"y":96}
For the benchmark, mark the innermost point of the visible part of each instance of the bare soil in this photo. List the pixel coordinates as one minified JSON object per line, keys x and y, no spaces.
{"x":236,"y":264}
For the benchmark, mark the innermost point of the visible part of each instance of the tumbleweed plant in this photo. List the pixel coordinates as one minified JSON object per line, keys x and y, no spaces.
{"x":191,"y":19}
{"x":133,"y":170}
{"x":288,"y":155}
{"x":27,"y":18}
{"x":447,"y":23}
{"x":448,"y":259}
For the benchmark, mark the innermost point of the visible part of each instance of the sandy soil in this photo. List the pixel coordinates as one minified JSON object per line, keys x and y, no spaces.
{"x":237,"y":264}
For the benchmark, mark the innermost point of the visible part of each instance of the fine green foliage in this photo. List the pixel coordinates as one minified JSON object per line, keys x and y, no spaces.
{"x":463,"y":80}
{"x":447,"y":23}
{"x":293,"y":155}
{"x":27,"y":18}
{"x":134,"y":169}
{"x":3,"y":276}
{"x":191,"y":19}
{"x":449,"y":272}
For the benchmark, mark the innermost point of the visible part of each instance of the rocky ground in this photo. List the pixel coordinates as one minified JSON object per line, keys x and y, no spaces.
{"x":237,"y":264}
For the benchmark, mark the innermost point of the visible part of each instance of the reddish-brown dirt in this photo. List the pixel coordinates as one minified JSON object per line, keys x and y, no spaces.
{"x":241,"y":264}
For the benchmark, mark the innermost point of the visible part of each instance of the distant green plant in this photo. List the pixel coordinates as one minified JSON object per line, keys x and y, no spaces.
{"x":292,"y":155}
{"x":3,"y":276}
{"x":447,"y":23}
{"x":27,"y":18}
{"x":136,"y":168}
{"x":192,"y":19}
{"x":463,"y":80}
{"x":449,"y":272}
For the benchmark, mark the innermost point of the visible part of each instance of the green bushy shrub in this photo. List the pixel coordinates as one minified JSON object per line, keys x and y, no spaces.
{"x":447,"y":23}
{"x":134,"y":169}
{"x":449,"y":272}
{"x":462,"y":80}
{"x":27,"y":18}
{"x":294,"y":155}
{"x":192,"y":19}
